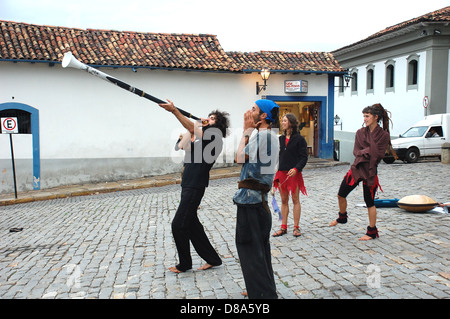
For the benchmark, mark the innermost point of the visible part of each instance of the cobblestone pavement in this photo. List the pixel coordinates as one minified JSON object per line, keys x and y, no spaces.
{"x":119,"y":245}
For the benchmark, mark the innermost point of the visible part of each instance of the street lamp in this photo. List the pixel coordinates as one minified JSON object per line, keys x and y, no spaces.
{"x":346,"y":77}
{"x":265,"y":73}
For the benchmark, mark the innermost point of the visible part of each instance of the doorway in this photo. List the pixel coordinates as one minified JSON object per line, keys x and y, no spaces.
{"x":28,"y":118}
{"x":308,"y":117}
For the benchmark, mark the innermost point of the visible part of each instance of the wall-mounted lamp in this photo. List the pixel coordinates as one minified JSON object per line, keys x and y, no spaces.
{"x":347,"y":77}
{"x":265,"y":73}
{"x":337,"y":121}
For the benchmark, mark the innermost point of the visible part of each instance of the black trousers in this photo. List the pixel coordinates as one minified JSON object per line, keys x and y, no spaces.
{"x":187,"y":227}
{"x":346,"y":188}
{"x":253,"y":227}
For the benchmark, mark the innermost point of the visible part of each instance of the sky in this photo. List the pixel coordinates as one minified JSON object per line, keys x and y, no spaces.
{"x":240,"y":25}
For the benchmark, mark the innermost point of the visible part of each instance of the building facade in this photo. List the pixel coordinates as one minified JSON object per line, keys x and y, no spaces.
{"x":75,"y":128}
{"x":404,"y":67}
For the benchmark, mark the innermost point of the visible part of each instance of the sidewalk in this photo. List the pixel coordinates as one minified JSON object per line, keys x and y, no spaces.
{"x":108,"y":187}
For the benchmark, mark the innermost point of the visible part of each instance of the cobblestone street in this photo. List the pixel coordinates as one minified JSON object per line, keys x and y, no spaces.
{"x":120,"y":245}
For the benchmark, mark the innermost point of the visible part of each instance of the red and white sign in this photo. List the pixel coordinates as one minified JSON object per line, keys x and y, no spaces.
{"x":9,"y":125}
{"x":296,"y":86}
{"x":426,"y":101}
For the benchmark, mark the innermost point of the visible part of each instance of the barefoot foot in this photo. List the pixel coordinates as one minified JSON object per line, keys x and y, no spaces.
{"x":175,"y":270}
{"x":365,"y":238}
{"x":205,"y":266}
{"x":333,"y":223}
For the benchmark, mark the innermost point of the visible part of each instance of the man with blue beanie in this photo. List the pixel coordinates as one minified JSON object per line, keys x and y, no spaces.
{"x":258,"y":153}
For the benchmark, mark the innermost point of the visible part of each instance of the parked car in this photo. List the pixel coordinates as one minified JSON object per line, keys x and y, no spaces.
{"x":423,"y":139}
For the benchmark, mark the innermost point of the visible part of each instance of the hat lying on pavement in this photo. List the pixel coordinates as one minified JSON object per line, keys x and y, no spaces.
{"x":417,"y":203}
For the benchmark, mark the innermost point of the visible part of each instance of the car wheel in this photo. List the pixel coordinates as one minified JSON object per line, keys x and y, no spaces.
{"x":412,"y":155}
{"x":389,"y":160}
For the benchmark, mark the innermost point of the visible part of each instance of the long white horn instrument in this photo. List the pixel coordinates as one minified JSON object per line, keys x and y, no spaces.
{"x":70,"y":61}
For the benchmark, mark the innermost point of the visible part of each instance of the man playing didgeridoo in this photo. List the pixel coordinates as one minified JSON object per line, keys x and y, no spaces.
{"x":371,"y":144}
{"x":259,"y":155}
{"x":204,"y":150}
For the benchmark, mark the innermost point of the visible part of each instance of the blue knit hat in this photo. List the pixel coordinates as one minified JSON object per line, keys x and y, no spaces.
{"x":266,"y":106}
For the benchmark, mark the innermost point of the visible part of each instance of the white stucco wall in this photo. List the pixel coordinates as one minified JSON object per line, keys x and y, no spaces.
{"x":93,"y":131}
{"x":405,"y":105}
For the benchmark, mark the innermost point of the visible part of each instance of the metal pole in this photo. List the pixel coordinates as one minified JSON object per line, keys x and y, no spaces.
{"x":13,"y":165}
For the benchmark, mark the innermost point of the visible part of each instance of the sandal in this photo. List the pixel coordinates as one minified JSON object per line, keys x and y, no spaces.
{"x":281,"y":232}
{"x":297,"y":232}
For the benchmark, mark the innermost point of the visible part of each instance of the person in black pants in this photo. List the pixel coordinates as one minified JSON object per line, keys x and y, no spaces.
{"x":258,"y":154}
{"x":202,"y":152}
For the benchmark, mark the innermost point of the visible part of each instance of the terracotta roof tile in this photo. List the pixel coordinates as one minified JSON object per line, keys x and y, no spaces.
{"x":287,"y":61}
{"x":107,"y":47}
{"x":22,"y":41}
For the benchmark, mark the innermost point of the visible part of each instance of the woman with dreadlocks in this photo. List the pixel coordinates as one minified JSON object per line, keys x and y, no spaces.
{"x":371,"y":143}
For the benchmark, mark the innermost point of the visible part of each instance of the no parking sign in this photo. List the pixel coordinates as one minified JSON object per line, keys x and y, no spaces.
{"x":9,"y":125}
{"x":426,"y":101}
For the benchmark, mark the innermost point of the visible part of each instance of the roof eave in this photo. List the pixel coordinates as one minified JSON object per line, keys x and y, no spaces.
{"x":52,"y":63}
{"x":387,"y":36}
{"x":296,"y":71}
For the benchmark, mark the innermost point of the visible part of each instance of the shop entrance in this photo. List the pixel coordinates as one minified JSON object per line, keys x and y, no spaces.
{"x":307,"y":114}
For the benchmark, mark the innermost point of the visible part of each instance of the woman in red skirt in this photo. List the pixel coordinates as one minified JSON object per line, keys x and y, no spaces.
{"x":292,"y":159}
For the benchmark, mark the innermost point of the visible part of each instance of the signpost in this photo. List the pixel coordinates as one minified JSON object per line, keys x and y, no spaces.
{"x":9,"y":125}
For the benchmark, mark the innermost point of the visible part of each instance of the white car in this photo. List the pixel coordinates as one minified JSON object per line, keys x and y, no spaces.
{"x":423,"y":139}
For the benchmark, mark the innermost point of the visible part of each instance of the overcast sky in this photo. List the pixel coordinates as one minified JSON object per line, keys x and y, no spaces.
{"x":240,"y":25}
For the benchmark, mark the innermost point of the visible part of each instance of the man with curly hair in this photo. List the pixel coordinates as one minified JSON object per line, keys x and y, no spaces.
{"x":203,"y":151}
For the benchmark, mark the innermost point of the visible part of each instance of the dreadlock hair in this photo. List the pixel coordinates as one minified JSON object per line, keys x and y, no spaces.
{"x":293,"y":123}
{"x":222,"y":121}
{"x":384,"y":116}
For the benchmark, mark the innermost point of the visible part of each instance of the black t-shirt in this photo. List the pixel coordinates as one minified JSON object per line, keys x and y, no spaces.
{"x":201,"y":157}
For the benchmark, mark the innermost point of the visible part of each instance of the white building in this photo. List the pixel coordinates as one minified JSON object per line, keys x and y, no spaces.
{"x":404,"y":67}
{"x":77,"y":128}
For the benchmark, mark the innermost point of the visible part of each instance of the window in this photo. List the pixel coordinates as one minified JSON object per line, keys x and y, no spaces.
{"x":341,"y":84}
{"x":354,"y":74}
{"x":413,"y":74}
{"x":390,"y":72}
{"x":370,"y":78}
{"x":416,"y":131}
{"x":435,"y":131}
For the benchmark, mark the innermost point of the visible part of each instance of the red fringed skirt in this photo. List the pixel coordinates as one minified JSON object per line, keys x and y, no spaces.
{"x":289,"y":184}
{"x":351,"y":182}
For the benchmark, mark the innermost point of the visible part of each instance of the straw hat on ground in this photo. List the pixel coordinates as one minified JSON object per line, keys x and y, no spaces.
{"x":417,"y":203}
